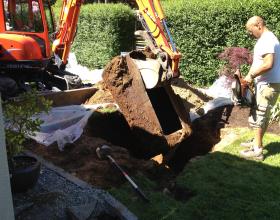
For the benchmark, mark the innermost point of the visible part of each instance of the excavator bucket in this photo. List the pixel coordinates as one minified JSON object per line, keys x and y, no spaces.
{"x":156,"y":115}
{"x":149,"y":70}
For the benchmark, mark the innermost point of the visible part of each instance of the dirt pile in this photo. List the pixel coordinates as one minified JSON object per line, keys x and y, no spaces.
{"x":192,"y":97}
{"x":80,"y":160}
{"x":117,"y":73}
{"x":122,"y":79}
{"x":102,"y":95}
{"x":206,"y":133}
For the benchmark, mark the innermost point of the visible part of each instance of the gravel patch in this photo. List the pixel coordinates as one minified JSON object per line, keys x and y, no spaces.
{"x":58,"y":195}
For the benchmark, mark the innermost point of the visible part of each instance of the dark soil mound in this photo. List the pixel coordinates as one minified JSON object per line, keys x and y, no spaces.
{"x":80,"y":160}
{"x":239,"y":118}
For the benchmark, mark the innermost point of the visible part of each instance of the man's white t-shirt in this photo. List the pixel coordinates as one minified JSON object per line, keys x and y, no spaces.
{"x":267,"y":43}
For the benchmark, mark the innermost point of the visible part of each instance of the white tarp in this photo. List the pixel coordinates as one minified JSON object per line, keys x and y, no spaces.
{"x":64,"y":124}
{"x":221,"y":93}
{"x":212,"y":104}
{"x":86,"y":75}
{"x":220,"y":88}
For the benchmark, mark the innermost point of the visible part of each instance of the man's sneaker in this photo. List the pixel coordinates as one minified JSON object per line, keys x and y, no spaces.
{"x":252,"y":153}
{"x":248,"y":143}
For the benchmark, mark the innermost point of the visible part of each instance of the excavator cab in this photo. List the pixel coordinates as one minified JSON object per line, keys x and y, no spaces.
{"x":25,"y":30}
{"x":31,"y":48}
{"x":23,"y":16}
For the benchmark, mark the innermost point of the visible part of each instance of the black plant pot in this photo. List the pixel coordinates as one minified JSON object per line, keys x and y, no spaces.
{"x":24,"y":173}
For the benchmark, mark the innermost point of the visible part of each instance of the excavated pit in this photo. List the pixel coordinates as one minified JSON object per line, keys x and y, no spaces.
{"x":168,"y":118}
{"x":145,"y":139}
{"x":113,"y":128}
{"x":133,"y":147}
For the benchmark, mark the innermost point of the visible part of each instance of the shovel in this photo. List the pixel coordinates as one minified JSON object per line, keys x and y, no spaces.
{"x":104,"y":152}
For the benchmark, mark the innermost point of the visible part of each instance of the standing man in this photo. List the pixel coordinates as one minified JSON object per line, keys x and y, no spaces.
{"x":265,"y":72}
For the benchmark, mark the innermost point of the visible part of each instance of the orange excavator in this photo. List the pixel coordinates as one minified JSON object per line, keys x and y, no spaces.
{"x":31,"y":45}
{"x":33,"y":49}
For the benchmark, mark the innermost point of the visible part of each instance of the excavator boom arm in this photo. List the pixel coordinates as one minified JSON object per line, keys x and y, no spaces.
{"x":67,"y":28}
{"x":155,"y":24}
{"x":153,"y":20}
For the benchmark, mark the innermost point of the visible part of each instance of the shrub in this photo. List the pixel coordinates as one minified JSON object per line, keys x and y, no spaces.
{"x":104,"y":30}
{"x":275,"y":112}
{"x":18,"y":119}
{"x":203,"y":28}
{"x":235,"y":58}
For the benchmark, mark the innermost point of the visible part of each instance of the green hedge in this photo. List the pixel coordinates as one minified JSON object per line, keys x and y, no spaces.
{"x":203,"y":28}
{"x":104,"y":30}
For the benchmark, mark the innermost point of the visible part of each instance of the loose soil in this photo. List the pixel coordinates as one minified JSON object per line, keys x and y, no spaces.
{"x":123,"y":81}
{"x":106,"y":127}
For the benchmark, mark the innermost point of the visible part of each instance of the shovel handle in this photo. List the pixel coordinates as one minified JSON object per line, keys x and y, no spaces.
{"x":135,"y":187}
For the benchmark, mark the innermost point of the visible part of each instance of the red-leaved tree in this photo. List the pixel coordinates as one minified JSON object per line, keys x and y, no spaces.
{"x":234,"y":58}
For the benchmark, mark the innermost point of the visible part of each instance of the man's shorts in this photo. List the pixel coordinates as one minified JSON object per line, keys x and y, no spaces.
{"x":266,"y":97}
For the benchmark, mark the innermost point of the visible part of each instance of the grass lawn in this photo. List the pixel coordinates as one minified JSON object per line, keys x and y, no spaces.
{"x":225,"y":186}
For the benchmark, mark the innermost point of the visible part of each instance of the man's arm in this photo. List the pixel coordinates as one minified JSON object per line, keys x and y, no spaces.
{"x":267,"y":65}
